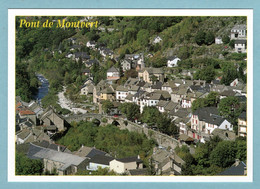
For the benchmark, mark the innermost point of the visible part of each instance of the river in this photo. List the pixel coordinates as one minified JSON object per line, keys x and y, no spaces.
{"x":43,"y":89}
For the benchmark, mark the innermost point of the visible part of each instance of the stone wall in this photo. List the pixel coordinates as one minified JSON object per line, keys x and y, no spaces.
{"x":162,"y":139}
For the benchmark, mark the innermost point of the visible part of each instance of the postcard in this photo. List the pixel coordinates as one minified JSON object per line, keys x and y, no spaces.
{"x":130,"y":95}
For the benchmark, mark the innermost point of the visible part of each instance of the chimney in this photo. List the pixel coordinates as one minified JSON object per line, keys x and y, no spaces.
{"x":58,"y":148}
{"x":138,"y":157}
{"x":245,"y":171}
{"x":237,"y":162}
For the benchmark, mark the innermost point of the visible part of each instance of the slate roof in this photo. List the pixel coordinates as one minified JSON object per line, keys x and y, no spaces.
{"x":37,"y":152}
{"x":121,"y":88}
{"x":158,"y":85}
{"x":91,"y":62}
{"x":89,"y":152}
{"x":172,"y":57}
{"x":130,"y":159}
{"x":154,"y":70}
{"x":134,"y":88}
{"x":235,"y":170}
{"x":46,"y":144}
{"x":209,"y":115}
{"x":101,"y":159}
{"x":129,"y":97}
{"x":138,"y":171}
{"x":239,"y":27}
{"x":162,"y":103}
{"x":83,"y":55}
{"x":224,"y":134}
{"x":170,"y":106}
{"x":131,"y":81}
{"x":23,"y":134}
{"x":228,"y":93}
{"x":242,"y":116}
{"x":186,"y":138}
{"x":112,"y":69}
{"x":155,"y":96}
{"x":240,"y":41}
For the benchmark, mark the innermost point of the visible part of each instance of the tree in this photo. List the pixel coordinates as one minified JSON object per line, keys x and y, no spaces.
{"x":229,"y":107}
{"x":26,"y":166}
{"x":200,"y":38}
{"x":184,"y":52}
{"x":143,"y":37}
{"x":150,"y":115}
{"x":209,"y":38}
{"x":107,"y":105}
{"x":130,"y":110}
{"x":232,"y":43}
{"x":208,"y":73}
{"x":224,"y":154}
{"x":226,"y":39}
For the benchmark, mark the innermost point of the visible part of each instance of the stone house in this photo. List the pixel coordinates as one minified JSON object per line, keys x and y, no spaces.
{"x":238,"y":32}
{"x":242,"y":125}
{"x":147,"y":74}
{"x":126,"y":65}
{"x":218,"y":41}
{"x":205,"y":120}
{"x":240,"y":46}
{"x":125,"y":164}
{"x":172,"y":61}
{"x":113,"y":74}
{"x":50,"y":118}
{"x":61,"y":162}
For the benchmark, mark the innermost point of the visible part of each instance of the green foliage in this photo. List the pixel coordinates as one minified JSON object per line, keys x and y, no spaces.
{"x":229,"y":73}
{"x":226,"y":39}
{"x":209,"y":38}
{"x":143,"y":37}
{"x":224,"y":154}
{"x":104,"y":120}
{"x":212,"y":157}
{"x":153,"y":118}
{"x":26,"y":166}
{"x":237,"y":56}
{"x":231,"y":108}
{"x":200,"y":38}
{"x":184,"y":52}
{"x":232,"y":43}
{"x":107,"y":105}
{"x":119,"y":143}
{"x":130,"y":110}
{"x":207,"y":73}
{"x":150,"y":115}
{"x":26,"y":84}
{"x":100,"y":171}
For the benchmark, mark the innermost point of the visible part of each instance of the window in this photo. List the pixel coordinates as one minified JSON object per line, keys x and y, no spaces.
{"x":226,"y":126}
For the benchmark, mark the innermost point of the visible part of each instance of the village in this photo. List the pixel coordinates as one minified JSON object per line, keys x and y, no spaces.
{"x":192,"y":106}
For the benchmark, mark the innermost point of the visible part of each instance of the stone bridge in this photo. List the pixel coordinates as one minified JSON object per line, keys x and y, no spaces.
{"x":162,"y":139}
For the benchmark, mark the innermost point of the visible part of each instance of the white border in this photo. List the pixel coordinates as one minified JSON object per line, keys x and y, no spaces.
{"x":126,"y":12}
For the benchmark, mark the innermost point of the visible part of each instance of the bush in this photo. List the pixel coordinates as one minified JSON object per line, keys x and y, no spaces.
{"x":104,"y":120}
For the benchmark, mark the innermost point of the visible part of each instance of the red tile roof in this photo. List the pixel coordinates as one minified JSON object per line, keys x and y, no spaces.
{"x":26,"y":112}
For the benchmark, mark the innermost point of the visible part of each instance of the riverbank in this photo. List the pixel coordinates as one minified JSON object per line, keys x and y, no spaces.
{"x":68,"y":104}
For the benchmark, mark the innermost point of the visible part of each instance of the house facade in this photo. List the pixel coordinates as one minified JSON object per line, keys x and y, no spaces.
{"x":113,"y":74}
{"x":238,"y":32}
{"x":242,"y":125}
{"x":240,"y":46}
{"x":172,"y":61}
{"x":123,"y":165}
